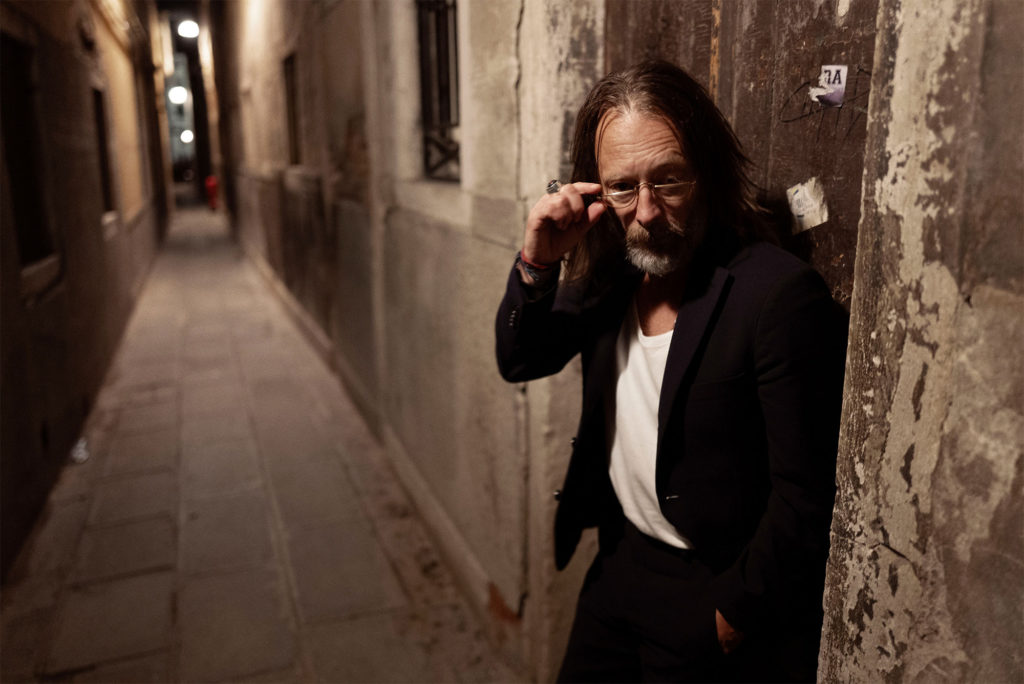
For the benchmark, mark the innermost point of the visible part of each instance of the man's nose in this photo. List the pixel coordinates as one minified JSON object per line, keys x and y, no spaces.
{"x":648,"y":208}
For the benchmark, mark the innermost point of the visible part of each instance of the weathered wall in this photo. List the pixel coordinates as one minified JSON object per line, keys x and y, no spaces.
{"x":448,"y":420}
{"x":562,"y":52}
{"x":307,"y":220}
{"x":58,"y":337}
{"x":759,"y":61}
{"x":925,"y":580}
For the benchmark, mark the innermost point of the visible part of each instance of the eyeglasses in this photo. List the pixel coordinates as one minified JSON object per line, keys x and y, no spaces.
{"x":667,"y":192}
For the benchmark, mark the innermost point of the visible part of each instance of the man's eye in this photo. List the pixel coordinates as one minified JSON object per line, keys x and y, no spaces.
{"x":620,"y":187}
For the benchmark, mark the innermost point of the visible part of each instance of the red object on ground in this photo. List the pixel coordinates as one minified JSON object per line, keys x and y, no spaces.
{"x":211,"y":192}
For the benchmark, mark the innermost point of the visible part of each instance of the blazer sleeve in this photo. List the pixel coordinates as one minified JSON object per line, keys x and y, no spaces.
{"x":800,"y":349}
{"x":536,"y":334}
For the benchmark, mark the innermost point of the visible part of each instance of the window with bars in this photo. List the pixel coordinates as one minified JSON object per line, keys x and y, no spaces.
{"x":439,"y":87}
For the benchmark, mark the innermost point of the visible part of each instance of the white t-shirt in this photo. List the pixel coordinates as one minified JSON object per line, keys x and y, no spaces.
{"x":633,"y":429}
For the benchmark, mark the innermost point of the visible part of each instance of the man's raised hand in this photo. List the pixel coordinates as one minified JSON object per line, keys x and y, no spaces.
{"x":558,"y":221}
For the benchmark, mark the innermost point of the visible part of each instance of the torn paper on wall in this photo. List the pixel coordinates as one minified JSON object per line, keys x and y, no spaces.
{"x":831,"y":88}
{"x":807,"y":203}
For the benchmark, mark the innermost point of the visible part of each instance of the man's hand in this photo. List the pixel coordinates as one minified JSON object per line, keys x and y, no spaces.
{"x":558,"y":221}
{"x":728,"y":638}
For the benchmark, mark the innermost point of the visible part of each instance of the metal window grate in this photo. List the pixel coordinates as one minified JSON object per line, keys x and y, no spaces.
{"x":439,"y":88}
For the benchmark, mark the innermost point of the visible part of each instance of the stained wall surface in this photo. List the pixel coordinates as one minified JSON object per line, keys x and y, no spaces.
{"x":925,"y":578}
{"x":62,"y":315}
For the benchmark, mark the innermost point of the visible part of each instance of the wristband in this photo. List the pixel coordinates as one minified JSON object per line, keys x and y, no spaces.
{"x":533,"y":264}
{"x":538,"y":273}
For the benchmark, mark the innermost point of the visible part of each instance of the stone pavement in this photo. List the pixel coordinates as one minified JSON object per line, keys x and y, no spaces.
{"x":236,"y":520}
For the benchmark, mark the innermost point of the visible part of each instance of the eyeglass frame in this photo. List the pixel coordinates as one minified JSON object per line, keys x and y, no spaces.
{"x":653,"y":187}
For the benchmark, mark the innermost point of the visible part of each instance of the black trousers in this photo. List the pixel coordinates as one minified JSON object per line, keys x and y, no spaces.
{"x":645,"y":615}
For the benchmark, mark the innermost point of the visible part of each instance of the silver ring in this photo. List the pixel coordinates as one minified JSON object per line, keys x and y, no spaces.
{"x":553,"y":186}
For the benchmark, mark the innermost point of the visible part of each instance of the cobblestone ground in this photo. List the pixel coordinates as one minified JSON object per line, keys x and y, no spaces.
{"x":236,"y":520}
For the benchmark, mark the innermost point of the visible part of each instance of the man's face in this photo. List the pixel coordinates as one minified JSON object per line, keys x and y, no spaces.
{"x":633,"y":148}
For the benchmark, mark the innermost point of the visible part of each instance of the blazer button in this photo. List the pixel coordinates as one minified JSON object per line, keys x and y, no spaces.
{"x":558,"y":494}
{"x":513,"y":318}
{"x":572,"y":442}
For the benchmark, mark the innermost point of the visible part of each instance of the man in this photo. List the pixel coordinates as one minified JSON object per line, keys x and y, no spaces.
{"x":712,"y":378}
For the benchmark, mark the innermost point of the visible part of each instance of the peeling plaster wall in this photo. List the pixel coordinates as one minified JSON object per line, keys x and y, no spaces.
{"x":562,"y":52}
{"x":926,"y":576}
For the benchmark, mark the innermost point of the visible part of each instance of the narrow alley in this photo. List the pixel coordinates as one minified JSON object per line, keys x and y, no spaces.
{"x":257,"y":422}
{"x":235,"y":519}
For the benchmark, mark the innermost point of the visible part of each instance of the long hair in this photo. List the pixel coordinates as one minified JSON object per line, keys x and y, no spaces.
{"x":723,"y":186}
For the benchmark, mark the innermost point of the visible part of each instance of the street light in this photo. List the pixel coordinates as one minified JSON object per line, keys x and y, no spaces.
{"x":187,"y":136}
{"x":178,"y":95}
{"x":188,"y":29}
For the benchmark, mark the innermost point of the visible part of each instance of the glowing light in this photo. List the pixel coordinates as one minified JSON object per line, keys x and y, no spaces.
{"x":188,"y":29}
{"x":186,"y":136}
{"x":178,"y":95}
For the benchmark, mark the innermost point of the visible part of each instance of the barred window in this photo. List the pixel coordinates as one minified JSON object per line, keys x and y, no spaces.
{"x":439,"y":88}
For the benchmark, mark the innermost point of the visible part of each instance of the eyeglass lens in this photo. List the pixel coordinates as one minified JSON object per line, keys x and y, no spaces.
{"x":665,"y":191}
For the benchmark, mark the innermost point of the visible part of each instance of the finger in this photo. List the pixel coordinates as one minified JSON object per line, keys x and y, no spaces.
{"x":594,"y":212}
{"x":551,"y":211}
{"x":585,"y":188}
{"x":572,"y":196}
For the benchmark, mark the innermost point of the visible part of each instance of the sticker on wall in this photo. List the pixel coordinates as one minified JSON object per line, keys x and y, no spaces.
{"x":831,"y":88}
{"x":807,"y":202}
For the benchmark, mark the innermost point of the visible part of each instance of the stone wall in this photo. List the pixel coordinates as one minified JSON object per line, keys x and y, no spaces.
{"x":63,"y":315}
{"x":925,"y":579}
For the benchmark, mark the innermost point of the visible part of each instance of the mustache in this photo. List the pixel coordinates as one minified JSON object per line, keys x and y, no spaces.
{"x":663,"y":229}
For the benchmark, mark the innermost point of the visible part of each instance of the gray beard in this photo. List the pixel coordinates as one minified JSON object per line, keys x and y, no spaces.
{"x":657,"y":265}
{"x":662,"y":256}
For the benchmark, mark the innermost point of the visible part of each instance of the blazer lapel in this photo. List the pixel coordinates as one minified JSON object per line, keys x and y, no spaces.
{"x":691,"y":325}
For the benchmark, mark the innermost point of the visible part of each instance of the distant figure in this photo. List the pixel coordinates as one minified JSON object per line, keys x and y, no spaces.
{"x":712,"y":381}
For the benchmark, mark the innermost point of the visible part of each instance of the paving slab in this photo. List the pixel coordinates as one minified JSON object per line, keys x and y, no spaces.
{"x":155,"y":668}
{"x":234,"y":626}
{"x":341,"y":571}
{"x":125,"y":549}
{"x":112,"y":620}
{"x":141,"y":452}
{"x":228,"y":424}
{"x":225,"y":533}
{"x":135,"y":496}
{"x":313,"y":492}
{"x":214,"y":469}
{"x":200,"y":399}
{"x":374,"y":648}
{"x":148,"y":417}
{"x":153,"y":373}
{"x":50,"y":549}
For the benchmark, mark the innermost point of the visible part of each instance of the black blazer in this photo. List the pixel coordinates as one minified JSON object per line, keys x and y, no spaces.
{"x":748,"y":421}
